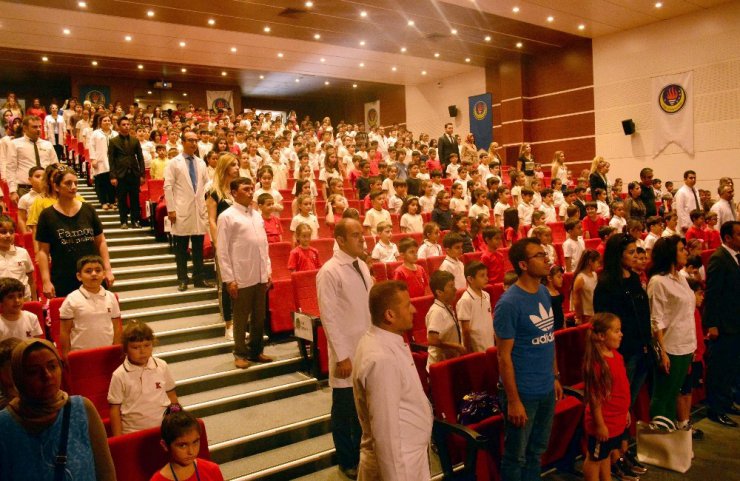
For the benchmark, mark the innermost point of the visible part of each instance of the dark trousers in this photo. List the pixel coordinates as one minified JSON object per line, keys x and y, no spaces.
{"x":224,"y":297}
{"x":181,"y":256}
{"x":723,"y":368}
{"x":345,"y":427}
{"x":249,"y":308}
{"x":60,"y":151}
{"x":104,"y":189}
{"x":128,"y":189}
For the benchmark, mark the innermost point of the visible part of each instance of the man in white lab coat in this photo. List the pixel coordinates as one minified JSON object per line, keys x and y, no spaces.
{"x":185,"y":179}
{"x":342,"y":285}
{"x":394,"y":412}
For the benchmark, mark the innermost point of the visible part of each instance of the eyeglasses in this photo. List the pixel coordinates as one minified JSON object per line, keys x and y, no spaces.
{"x":540,"y":255}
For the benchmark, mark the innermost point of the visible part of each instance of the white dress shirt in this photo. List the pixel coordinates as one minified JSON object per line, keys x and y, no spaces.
{"x":55,"y":129}
{"x":345,"y":313}
{"x":21,"y":157}
{"x":394,"y":412}
{"x":242,"y":247}
{"x":725,"y":212}
{"x":684,"y":202}
{"x":672,"y":305}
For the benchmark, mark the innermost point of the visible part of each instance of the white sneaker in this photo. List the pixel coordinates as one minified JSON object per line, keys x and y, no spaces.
{"x":230,"y":333}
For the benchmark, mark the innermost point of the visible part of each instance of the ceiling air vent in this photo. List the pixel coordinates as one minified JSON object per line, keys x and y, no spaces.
{"x":436,"y":36}
{"x":292,"y":12}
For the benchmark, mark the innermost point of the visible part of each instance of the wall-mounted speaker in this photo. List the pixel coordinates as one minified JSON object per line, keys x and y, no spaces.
{"x":452,"y":109}
{"x":628,"y":126}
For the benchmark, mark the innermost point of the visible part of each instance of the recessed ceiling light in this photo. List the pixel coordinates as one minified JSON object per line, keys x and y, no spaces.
{"x":183,"y":70}
{"x":403,"y":49}
{"x":423,"y":72}
{"x":66,"y":31}
{"x":326,"y":82}
{"x":149,"y":92}
{"x":223,"y":74}
{"x":362,"y":43}
{"x":309,"y":4}
{"x":581,"y":27}
{"x":262,"y":77}
{"x":128,"y":38}
{"x":182,"y":44}
{"x":233,"y":49}
{"x":82,"y":4}
{"x":393,"y":69}
{"x":136,"y":100}
{"x":44,"y":59}
{"x":363,"y":14}
{"x":488,"y":38}
{"x":184,"y":94}
{"x":362,"y":64}
{"x":550,"y":19}
{"x":515,"y":9}
{"x":354,"y":86}
{"x":658,"y":4}
{"x":317,"y":36}
{"x":322,"y":60}
{"x":150,"y":13}
{"x":453,"y":31}
{"x":280,"y":55}
{"x":297,"y":80}
{"x":436,"y":54}
{"x":266,"y":29}
{"x":467,"y":59}
{"x":171,"y":101}
{"x":519,"y":45}
{"x":410,"y":23}
{"x":94,"y":63}
{"x":211,"y":21}
{"x":140,"y":67}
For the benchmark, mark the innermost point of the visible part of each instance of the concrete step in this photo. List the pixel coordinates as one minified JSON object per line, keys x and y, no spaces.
{"x":115,"y":231}
{"x":142,"y":261}
{"x":133,"y":238}
{"x":164,"y":296}
{"x":167,"y":312}
{"x":119,"y":251}
{"x":162,"y":269}
{"x":151,"y":281}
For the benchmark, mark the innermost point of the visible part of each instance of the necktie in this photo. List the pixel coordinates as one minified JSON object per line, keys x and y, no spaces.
{"x":191,"y":169}
{"x":696,"y":199}
{"x":356,"y":265}
{"x":36,"y":153}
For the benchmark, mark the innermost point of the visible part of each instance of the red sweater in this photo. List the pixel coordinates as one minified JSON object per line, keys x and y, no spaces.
{"x":417,"y":280}
{"x":301,"y":259}
{"x":494,"y":261}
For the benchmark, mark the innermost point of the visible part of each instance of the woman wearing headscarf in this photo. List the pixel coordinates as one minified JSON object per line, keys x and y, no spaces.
{"x":32,"y":424}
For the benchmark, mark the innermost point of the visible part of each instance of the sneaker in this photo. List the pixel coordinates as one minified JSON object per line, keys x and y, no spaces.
{"x":230,"y":333}
{"x":697,"y":434}
{"x":622,"y":472}
{"x":124,"y":226}
{"x":635,"y":466}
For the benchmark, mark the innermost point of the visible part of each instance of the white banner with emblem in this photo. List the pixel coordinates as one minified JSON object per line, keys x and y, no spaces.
{"x":372,"y":114}
{"x":672,"y":97}
{"x":220,"y":99}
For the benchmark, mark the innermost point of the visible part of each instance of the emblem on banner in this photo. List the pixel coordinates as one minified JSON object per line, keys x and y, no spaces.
{"x":372,"y":117}
{"x":672,"y":98}
{"x":221,"y":103}
{"x":480,"y":109}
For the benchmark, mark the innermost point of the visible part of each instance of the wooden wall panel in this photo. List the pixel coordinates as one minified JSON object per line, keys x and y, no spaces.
{"x":567,"y":68}
{"x":559,"y":104}
{"x":560,"y":127}
{"x":575,"y":150}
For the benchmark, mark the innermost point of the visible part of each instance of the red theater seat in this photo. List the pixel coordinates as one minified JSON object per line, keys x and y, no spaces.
{"x":90,"y":373}
{"x":37,"y":308}
{"x":495,"y":291}
{"x":281,"y":305}
{"x":279,"y":254}
{"x":570,"y":347}
{"x":417,"y":236}
{"x":419,"y":331}
{"x":592,"y":243}
{"x":325,"y":248}
{"x":304,"y":292}
{"x":507,"y":263}
{"x":558,"y":232}
{"x":566,"y":289}
{"x":54,"y":322}
{"x":137,"y":456}
{"x":379,"y":271}
{"x":434,"y":263}
{"x":471,"y":256}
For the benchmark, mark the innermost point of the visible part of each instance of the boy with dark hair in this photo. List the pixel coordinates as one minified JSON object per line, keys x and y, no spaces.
{"x":573,"y":246}
{"x":14,"y":321}
{"x":273,"y":227}
{"x":453,"y":244}
{"x":413,"y":275}
{"x":362,"y":182}
{"x":474,"y":309}
{"x":593,"y":221}
{"x":580,"y":201}
{"x":443,"y":329}
{"x":696,"y":231}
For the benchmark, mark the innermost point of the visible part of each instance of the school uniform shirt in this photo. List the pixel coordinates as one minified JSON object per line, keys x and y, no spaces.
{"x":17,"y":263}
{"x":477,"y":309}
{"x":574,"y":250}
{"x":416,"y":280}
{"x":558,"y":198}
{"x":498,"y":212}
{"x":694,"y":232}
{"x":311,"y":220}
{"x":395,"y":414}
{"x":387,"y":186}
{"x":412,"y":223}
{"x":273,"y":192}
{"x":494,"y":261}
{"x":204,"y":148}
{"x":476,"y":210}
{"x":650,"y":239}
{"x":457,"y":269}
{"x":436,"y":189}
{"x":550,"y":213}
{"x":427,"y":203}
{"x":672,"y":305}
{"x":459,"y":204}
{"x":525,"y":213}
{"x":304,"y":259}
{"x":427,"y":249}
{"x":385,"y":252}
{"x":92,"y":314}
{"x":669,"y":232}
{"x":551,"y":254}
{"x":273,"y":229}
{"x":26,"y":201}
{"x":442,"y":320}
{"x":343,"y":301}
{"x":394,"y":204}
{"x":451,"y":171}
{"x":27,"y":326}
{"x":373,"y":217}
{"x":141,"y":392}
{"x":618,"y":223}
{"x":602,"y":209}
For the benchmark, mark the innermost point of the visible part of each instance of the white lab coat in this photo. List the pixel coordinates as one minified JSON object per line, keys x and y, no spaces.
{"x":49,"y":129}
{"x":394,"y":412}
{"x":98,"y":147}
{"x":189,"y":206}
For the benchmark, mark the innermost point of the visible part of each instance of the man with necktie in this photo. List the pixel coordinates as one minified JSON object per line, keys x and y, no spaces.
{"x":126,"y":161}
{"x":26,"y":152}
{"x":686,"y":200}
{"x":447,"y":145}
{"x":185,"y":180}
{"x":343,"y":285}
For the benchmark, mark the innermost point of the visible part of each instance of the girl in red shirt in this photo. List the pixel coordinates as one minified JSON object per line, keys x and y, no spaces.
{"x":607,"y":394}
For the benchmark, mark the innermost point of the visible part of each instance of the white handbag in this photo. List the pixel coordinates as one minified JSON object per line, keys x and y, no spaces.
{"x":660,"y":444}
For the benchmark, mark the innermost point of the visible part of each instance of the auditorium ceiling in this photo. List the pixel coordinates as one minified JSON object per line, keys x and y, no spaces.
{"x":299,"y":46}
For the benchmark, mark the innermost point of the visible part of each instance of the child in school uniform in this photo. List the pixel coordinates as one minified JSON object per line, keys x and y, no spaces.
{"x":303,"y":257}
{"x":430,"y":247}
{"x":474,"y":309}
{"x":554,"y":282}
{"x":142,"y":387}
{"x":696,"y":230}
{"x":411,"y":220}
{"x":444,"y":334}
{"x":427,"y":200}
{"x":14,"y":321}
{"x":460,"y":226}
{"x":377,"y":214}
{"x":305,"y":216}
{"x":453,"y":245}
{"x":618,"y":221}
{"x":90,"y":316}
{"x":384,"y":250}
{"x":492,"y":258}
{"x":584,"y":284}
{"x":548,"y":206}
{"x":574,"y":245}
{"x":15,"y":262}
{"x":36,"y":179}
{"x":655,"y":228}
{"x":413,"y":275}
{"x":544,"y":234}
{"x":592,"y":222}
{"x":671,"y":224}
{"x":273,"y":227}
{"x":695,"y":375}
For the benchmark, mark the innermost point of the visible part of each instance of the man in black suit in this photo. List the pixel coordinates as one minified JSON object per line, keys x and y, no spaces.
{"x":647,"y":194}
{"x":126,"y":172}
{"x":447,"y":145}
{"x":722,"y":322}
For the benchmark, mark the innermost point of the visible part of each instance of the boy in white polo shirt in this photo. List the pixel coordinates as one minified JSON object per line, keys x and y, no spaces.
{"x":15,"y":261}
{"x":90,"y":315}
{"x":443,"y":329}
{"x":474,"y":309}
{"x":453,"y":244}
{"x":142,"y":387}
{"x":14,"y":321}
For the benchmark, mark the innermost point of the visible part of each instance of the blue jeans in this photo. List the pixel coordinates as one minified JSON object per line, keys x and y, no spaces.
{"x":638,"y":366}
{"x":523,"y":447}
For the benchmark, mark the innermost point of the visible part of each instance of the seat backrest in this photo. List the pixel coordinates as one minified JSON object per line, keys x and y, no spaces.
{"x":495,"y":291}
{"x":705,"y":255}
{"x":507,"y":263}
{"x":156,"y":189}
{"x":304,"y":292}
{"x":390,"y":268}
{"x":287,"y":234}
{"x":379,"y":272}
{"x":137,"y":456}
{"x":422,"y":305}
{"x":558,"y":231}
{"x":471,"y":256}
{"x":570,"y":347}
{"x":91,"y":371}
{"x":592,"y":243}
{"x":454,"y":378}
{"x":281,"y":304}
{"x":35,"y":307}
{"x":325,"y":248}
{"x":434,"y":263}
{"x":279,"y":255}
{"x":54,"y":322}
